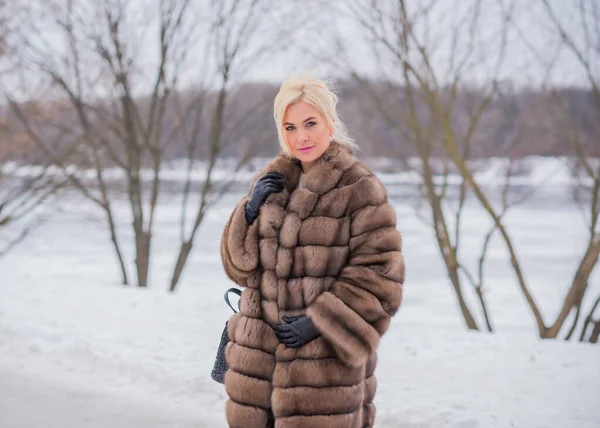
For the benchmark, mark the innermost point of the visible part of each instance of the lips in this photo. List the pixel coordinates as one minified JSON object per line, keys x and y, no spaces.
{"x":305,"y":149}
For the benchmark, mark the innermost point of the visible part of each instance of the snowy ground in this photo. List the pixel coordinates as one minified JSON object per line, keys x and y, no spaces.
{"x":77,"y":350}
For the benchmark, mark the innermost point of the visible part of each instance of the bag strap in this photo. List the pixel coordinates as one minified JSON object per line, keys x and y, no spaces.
{"x":234,"y":291}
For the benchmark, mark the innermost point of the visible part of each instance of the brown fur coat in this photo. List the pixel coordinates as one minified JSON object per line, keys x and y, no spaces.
{"x":326,"y":246}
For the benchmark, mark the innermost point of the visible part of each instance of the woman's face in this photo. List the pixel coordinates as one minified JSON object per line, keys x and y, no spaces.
{"x":306,"y":132}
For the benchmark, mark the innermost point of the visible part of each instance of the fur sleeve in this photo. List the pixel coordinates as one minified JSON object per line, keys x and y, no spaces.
{"x":239,"y":247}
{"x":357,"y":310}
{"x":240,"y":242}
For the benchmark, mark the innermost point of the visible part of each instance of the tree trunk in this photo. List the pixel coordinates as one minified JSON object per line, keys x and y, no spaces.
{"x":574,"y":325}
{"x":117,"y":247}
{"x":142,"y":259}
{"x":578,"y":287}
{"x":484,"y":309}
{"x":184,"y":252}
{"x":447,"y":251}
{"x":595,"y":332}
{"x":588,"y":319}
{"x":215,"y":148}
{"x":452,"y":149}
{"x":514,"y":262}
{"x":452,"y":268}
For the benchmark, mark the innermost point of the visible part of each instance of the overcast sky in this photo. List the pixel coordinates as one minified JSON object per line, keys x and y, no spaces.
{"x":317,"y":26}
{"x":532,"y":43}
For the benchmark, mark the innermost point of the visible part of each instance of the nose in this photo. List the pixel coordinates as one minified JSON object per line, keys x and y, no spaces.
{"x":302,"y":137}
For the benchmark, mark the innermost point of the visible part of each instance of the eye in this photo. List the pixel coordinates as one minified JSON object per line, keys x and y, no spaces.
{"x":290,"y":128}
{"x":311,"y":123}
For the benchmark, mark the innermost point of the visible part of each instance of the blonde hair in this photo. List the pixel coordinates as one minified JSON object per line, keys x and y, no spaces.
{"x":304,"y":87}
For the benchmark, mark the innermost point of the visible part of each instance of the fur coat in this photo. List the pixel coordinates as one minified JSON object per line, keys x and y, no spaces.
{"x":326,"y":246}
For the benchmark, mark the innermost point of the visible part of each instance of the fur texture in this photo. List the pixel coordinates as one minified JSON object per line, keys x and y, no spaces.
{"x":326,"y":246}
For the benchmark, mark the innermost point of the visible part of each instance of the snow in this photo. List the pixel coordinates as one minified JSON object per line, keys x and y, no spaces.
{"x":527,"y":171}
{"x":79,"y":350}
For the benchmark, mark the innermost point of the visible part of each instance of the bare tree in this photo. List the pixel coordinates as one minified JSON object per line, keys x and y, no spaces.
{"x":131,"y":83}
{"x":101,"y":57}
{"x":19,"y":200}
{"x":22,"y":190}
{"x":435,"y":111}
{"x":242,"y":34}
{"x":585,"y":52}
{"x":427,"y":111}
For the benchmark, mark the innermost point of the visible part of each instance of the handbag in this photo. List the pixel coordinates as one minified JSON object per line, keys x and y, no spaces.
{"x":220,"y":366}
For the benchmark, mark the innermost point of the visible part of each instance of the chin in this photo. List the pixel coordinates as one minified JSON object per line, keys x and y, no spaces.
{"x":312,"y":156}
{"x":307,"y":158}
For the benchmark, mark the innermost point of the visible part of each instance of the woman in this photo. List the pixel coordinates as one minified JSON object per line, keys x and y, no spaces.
{"x":315,"y":246}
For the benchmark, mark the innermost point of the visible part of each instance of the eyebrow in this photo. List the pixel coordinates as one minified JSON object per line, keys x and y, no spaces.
{"x":304,"y":121}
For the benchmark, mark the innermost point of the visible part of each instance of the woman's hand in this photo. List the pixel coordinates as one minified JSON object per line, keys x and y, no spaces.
{"x":296,"y":332}
{"x":271,"y":182}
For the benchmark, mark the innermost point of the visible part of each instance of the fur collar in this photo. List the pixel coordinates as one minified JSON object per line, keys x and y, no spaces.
{"x":323,"y":176}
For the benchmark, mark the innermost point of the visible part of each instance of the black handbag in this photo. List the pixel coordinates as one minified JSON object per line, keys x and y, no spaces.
{"x":220,"y":366}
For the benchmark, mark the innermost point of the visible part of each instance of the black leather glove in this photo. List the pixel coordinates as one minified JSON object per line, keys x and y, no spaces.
{"x":296,"y":332}
{"x":271,"y":182}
